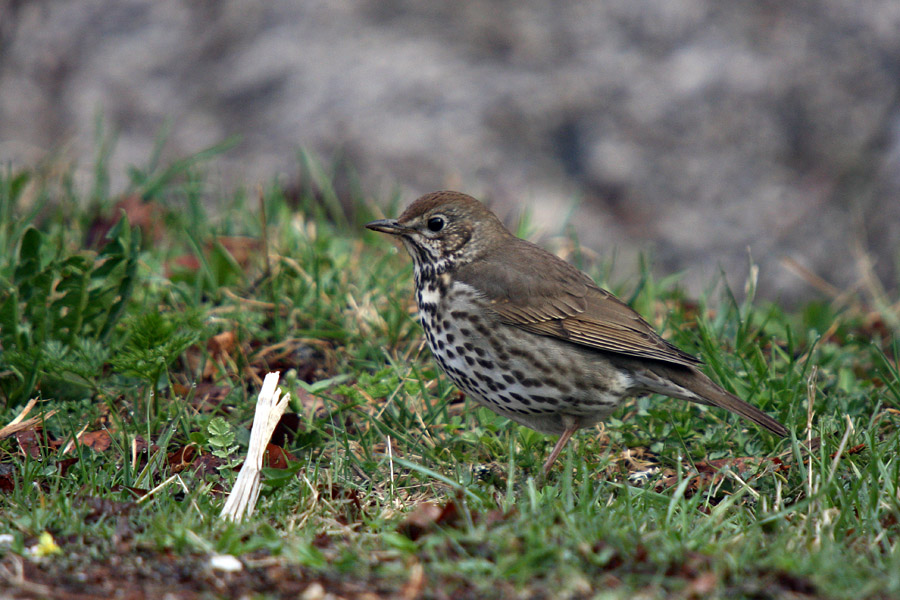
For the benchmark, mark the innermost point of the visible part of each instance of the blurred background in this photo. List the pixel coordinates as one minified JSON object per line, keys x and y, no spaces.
{"x":688,"y":129}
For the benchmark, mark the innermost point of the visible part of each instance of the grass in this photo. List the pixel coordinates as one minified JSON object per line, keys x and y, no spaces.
{"x":145,"y":323}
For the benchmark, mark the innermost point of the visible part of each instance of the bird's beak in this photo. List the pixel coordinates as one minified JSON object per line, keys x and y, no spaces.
{"x":390,"y":226}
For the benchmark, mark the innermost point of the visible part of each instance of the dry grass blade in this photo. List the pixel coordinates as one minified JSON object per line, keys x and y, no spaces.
{"x":21,"y":424}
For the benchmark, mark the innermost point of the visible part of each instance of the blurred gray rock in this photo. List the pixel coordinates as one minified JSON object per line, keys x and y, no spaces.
{"x":694,"y":129}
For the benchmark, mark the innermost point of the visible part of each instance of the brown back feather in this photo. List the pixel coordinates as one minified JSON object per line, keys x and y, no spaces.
{"x":541,"y":293}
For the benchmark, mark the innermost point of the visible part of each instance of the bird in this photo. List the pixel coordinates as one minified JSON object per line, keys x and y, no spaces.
{"x":531,"y":337}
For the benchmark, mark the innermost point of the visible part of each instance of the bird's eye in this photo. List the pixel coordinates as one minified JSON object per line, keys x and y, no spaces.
{"x":435,"y":224}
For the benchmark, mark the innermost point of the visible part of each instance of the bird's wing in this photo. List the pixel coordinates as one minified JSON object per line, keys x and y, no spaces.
{"x":553,"y":298}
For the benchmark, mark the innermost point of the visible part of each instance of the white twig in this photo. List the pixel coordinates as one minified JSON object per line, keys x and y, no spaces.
{"x":270,"y":406}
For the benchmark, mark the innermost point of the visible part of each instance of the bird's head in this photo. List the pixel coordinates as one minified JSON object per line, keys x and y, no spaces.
{"x":444,"y":229}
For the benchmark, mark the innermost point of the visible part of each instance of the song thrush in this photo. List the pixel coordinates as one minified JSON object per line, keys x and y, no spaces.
{"x":528,"y":335}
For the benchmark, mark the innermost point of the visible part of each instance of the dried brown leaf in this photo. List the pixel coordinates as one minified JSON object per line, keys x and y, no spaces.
{"x":276,"y":457}
{"x":29,"y":443}
{"x":99,"y":441}
{"x":180,"y":459}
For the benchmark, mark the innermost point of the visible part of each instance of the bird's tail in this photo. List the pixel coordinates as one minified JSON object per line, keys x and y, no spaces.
{"x":690,"y":384}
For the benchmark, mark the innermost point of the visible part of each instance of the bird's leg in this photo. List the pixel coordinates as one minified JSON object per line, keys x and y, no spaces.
{"x":560,"y":444}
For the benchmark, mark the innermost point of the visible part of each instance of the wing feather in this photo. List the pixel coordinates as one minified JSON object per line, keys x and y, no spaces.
{"x":558,"y":300}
